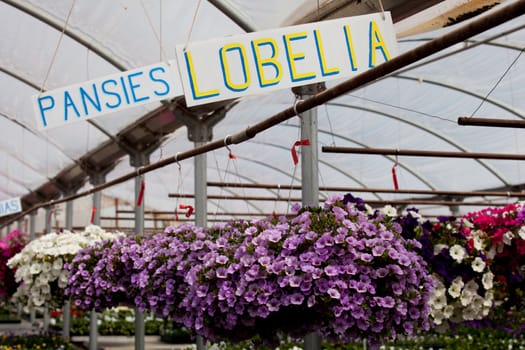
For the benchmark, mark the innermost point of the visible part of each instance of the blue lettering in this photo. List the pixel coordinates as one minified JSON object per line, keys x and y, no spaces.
{"x":133,"y":86}
{"x":14,"y":205}
{"x":124,"y":89}
{"x":68,"y":102}
{"x":45,"y":108}
{"x":158,"y":80}
{"x":111,"y":93}
{"x":94,"y":102}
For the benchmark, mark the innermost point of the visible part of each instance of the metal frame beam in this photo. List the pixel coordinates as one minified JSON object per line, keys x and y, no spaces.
{"x":238,"y":16}
{"x":426,"y":129}
{"x":77,"y":36}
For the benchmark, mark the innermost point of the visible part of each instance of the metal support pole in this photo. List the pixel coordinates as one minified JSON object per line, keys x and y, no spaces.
{"x":96,"y":179}
{"x":48,"y":212}
{"x":139,"y":230}
{"x":201,"y":207}
{"x":20,"y":224}
{"x":32,"y":315}
{"x":66,"y":310}
{"x":310,"y":174}
{"x":200,"y":131}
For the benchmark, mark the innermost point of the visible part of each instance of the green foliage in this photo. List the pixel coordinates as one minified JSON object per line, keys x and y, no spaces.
{"x":33,"y":342}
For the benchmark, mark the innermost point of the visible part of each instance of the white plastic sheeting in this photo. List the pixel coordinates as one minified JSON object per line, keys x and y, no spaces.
{"x":413,"y":109}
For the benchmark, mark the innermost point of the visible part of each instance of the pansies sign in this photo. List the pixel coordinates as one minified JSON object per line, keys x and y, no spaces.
{"x":231,"y":67}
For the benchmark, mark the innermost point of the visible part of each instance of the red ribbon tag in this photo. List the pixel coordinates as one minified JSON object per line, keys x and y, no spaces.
{"x":141,"y":193}
{"x":176,"y":215}
{"x":305,"y":142}
{"x":93,"y":212}
{"x":189,"y":207}
{"x":394,"y":177}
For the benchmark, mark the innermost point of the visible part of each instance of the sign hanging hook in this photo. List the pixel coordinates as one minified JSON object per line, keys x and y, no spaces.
{"x":382,"y":9}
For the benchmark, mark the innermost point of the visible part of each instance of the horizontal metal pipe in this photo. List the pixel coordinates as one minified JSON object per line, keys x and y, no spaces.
{"x":131,"y":218}
{"x":421,"y":153}
{"x":240,"y":198}
{"x":372,"y":190}
{"x":455,"y":36}
{"x":161,"y":212}
{"x":423,"y":201}
{"x":491,"y":122}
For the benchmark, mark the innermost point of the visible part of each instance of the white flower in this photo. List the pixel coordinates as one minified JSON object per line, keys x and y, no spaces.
{"x":35,"y":268}
{"x":478,"y":243}
{"x":448,"y":311}
{"x":454,"y":290}
{"x":437,"y":316}
{"x":507,"y":238}
{"x":437,"y":301}
{"x":478,"y":264}
{"x":489,"y":299}
{"x":477,"y":303}
{"x":491,"y":253}
{"x":457,"y":252}
{"x":521,"y":232}
{"x":390,"y":210}
{"x":472,"y":286}
{"x":467,"y":223}
{"x":46,"y":266}
{"x":38,"y":300}
{"x":369,"y":209}
{"x":466,"y":297}
{"x":439,"y":247}
{"x":487,"y":280}
{"x":58,"y":264}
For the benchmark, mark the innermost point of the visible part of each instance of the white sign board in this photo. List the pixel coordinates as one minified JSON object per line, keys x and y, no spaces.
{"x":107,"y":94}
{"x":10,"y":206}
{"x":264,"y":61}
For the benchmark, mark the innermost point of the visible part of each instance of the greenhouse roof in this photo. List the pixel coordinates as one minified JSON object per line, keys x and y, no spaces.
{"x":49,"y":44}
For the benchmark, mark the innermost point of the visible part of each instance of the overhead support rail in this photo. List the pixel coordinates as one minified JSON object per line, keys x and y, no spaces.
{"x":491,"y":122}
{"x":455,"y":36}
{"x":421,"y":153}
{"x":373,"y":190}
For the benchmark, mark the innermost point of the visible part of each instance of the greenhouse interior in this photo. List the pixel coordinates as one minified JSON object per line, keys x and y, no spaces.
{"x":243,"y":174}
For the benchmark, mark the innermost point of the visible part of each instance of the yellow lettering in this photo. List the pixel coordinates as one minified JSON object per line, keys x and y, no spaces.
{"x":322,"y":59}
{"x":197,"y":95}
{"x":266,"y":62}
{"x":295,"y":56}
{"x":376,"y":43}
{"x":226,"y":72}
{"x":350,"y":48}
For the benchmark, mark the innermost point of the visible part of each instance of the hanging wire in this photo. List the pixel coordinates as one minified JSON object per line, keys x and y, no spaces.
{"x":382,"y":9}
{"x":161,"y":51}
{"x":329,"y":124}
{"x":43,"y":86}
{"x":157,"y":36}
{"x":179,"y":185}
{"x":222,"y":179}
{"x":288,"y":202}
{"x":192,"y":24}
{"x":499,"y":81}
{"x":404,"y":109}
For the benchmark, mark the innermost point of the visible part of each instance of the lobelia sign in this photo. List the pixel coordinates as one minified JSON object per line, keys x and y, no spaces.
{"x":231,"y":67}
{"x":10,"y":206}
{"x":111,"y":93}
{"x":264,"y":61}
